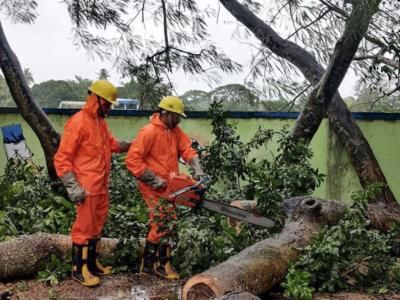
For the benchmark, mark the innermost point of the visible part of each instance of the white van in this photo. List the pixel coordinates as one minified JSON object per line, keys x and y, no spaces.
{"x":71,"y":104}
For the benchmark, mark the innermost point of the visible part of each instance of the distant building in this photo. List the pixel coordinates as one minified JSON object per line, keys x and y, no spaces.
{"x":123,"y":104}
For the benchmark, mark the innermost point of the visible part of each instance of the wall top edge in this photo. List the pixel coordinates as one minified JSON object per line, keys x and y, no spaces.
{"x":204,"y":114}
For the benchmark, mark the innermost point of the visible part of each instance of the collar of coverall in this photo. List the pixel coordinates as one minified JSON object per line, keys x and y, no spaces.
{"x":91,"y":106}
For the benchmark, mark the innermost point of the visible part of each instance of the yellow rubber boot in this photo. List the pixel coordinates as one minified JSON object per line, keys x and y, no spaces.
{"x":95,"y":267}
{"x":80,"y":270}
{"x":149,"y":258}
{"x":164,"y":267}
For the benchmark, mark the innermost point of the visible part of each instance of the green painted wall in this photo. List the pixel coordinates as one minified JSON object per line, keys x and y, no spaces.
{"x":330,"y":157}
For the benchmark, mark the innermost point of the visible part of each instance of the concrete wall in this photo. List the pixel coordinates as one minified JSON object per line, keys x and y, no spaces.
{"x":330,"y":157}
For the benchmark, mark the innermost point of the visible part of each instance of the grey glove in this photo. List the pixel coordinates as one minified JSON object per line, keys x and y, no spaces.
{"x":124,"y":145}
{"x":152,"y":180}
{"x":198,"y":173}
{"x":75,"y":192}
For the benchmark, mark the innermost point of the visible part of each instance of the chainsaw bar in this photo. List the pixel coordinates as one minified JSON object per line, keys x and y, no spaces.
{"x":236,"y":213}
{"x":186,"y":192}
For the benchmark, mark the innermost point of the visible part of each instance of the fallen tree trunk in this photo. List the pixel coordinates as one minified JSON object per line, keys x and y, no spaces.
{"x":24,"y":256}
{"x":259,"y":267}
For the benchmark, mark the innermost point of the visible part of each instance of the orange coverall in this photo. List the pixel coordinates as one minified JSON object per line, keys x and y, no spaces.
{"x":85,"y":149}
{"x":157,"y":148}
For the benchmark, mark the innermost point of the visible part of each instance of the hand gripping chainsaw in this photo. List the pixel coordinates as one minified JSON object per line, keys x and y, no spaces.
{"x":184,"y":190}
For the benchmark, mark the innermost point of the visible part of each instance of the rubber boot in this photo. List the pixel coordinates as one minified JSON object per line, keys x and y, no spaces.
{"x":149,"y":258}
{"x":95,"y":267}
{"x":80,"y":270}
{"x":164,"y":267}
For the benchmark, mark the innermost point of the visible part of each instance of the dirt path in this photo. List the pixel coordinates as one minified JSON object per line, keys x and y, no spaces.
{"x":135,"y":287}
{"x":126,"y":286}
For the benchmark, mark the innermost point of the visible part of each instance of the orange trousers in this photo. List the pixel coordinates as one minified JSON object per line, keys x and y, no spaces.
{"x":90,"y":218}
{"x":156,"y":233}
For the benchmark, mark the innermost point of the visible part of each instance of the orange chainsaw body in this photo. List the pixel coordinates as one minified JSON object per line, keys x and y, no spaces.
{"x":177,"y":182}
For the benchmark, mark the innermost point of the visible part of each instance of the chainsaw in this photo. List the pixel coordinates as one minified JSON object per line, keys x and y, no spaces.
{"x":184,"y":190}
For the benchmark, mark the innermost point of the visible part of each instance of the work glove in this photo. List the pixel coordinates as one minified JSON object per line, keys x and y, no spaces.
{"x":124,"y":145}
{"x":152,"y":180}
{"x":198,"y":173}
{"x":76,"y":193}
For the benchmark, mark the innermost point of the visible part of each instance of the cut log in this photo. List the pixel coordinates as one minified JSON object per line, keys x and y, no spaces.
{"x":238,"y":296}
{"x":259,"y":267}
{"x":24,"y":256}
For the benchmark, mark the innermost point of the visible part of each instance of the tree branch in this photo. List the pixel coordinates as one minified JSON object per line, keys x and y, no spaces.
{"x":323,"y":14}
{"x":166,"y":35}
{"x":293,"y":101}
{"x":345,"y":48}
{"x":397,"y":88}
{"x":380,"y":59}
{"x":371,"y":39}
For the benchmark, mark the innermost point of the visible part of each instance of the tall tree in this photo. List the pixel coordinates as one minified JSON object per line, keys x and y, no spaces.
{"x":103,"y":74}
{"x":28,"y":76}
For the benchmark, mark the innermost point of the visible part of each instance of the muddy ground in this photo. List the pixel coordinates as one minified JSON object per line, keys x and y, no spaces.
{"x":134,"y":286}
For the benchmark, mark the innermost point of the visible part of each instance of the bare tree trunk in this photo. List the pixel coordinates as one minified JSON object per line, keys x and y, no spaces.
{"x":261,"y":266}
{"x":29,"y":108}
{"x":339,"y":116}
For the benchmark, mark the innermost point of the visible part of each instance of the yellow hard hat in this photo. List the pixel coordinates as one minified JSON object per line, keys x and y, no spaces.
{"x":173,"y":104}
{"x":105,"y":90}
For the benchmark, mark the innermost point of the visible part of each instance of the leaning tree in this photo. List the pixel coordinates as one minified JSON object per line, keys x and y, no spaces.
{"x":19,"y":87}
{"x":317,"y":27}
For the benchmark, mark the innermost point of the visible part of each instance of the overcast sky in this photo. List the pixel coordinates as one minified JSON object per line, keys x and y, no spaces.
{"x":47,"y":49}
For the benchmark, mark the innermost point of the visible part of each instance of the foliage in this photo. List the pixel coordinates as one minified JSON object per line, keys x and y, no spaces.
{"x":148,"y":87}
{"x":30,"y":202}
{"x":371,"y":100}
{"x":51,"y":93}
{"x":103,"y":74}
{"x":234,"y":97}
{"x":228,"y":160}
{"x":127,"y":216}
{"x":55,"y":269}
{"x":205,"y":239}
{"x":297,"y":285}
{"x":288,"y":174}
{"x":350,"y":255}
{"x":226,"y":156}
{"x":5,"y":96}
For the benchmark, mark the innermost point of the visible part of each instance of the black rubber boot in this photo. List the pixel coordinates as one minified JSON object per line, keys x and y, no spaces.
{"x":80,"y":270}
{"x":94,"y":265}
{"x":164,"y":267}
{"x":149,"y":258}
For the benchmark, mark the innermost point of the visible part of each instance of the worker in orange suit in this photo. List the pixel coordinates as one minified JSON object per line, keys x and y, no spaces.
{"x":83,"y":162}
{"x":152,"y":157}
